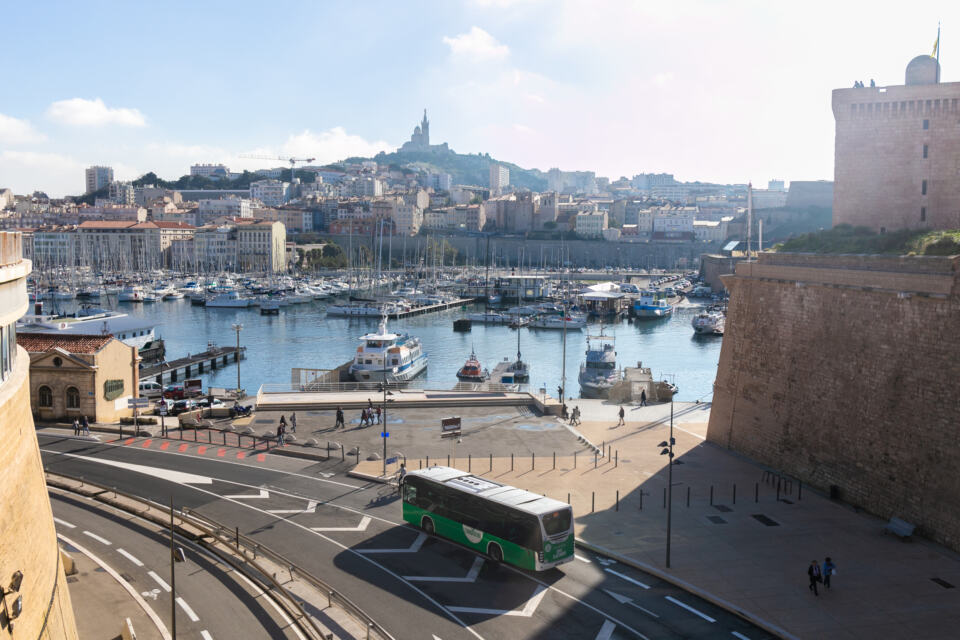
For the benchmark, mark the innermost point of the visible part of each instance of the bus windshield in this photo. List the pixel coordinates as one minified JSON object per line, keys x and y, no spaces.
{"x":556,"y":522}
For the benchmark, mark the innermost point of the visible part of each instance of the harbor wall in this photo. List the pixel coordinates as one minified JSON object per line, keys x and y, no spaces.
{"x":842,"y":371}
{"x":581,"y":253}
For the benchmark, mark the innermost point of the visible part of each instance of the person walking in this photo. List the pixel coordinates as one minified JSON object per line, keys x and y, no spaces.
{"x":829,"y":569}
{"x":339,"y":422}
{"x":76,"y":427}
{"x":283,"y":421}
{"x":643,"y":397}
{"x":369,"y":403}
{"x":815,"y":575}
{"x":86,"y":426}
{"x":280,"y":434}
{"x":378,"y":415}
{"x":293,"y":422}
{"x":401,"y":475}
{"x":621,"y":414}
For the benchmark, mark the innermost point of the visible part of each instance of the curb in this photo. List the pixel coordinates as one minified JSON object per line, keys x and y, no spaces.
{"x":769,"y":627}
{"x":292,"y":453}
{"x":367,"y":477}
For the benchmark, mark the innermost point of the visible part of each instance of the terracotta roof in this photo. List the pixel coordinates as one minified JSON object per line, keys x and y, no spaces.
{"x":107,"y":224}
{"x":170,"y":224}
{"x":43,"y":342}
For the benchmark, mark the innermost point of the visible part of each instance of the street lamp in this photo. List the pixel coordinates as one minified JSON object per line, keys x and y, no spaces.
{"x":162,"y":403}
{"x":237,"y":327}
{"x":666,"y":449}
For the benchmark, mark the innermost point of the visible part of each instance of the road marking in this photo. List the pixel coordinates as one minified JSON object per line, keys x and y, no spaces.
{"x":421,"y":538}
{"x":221,"y":452}
{"x":186,"y":609}
{"x":690,"y":609}
{"x":159,"y":580}
{"x":206,"y":635}
{"x":364,"y":522}
{"x":165,"y":446}
{"x":261,"y":457}
{"x":311,"y":508}
{"x":158,"y":623}
{"x":146,"y":443}
{"x":180,"y":477}
{"x":606,"y":630}
{"x":201,"y":450}
{"x":65,"y":523}
{"x":152,"y":594}
{"x":129,"y":441}
{"x":97,"y":538}
{"x":625,"y":600}
{"x":470,"y":577}
{"x":627,"y":578}
{"x":129,"y":556}
{"x":582,"y":559}
{"x":183,"y":448}
{"x":241,"y":455}
{"x":739,"y":635}
{"x":263,"y":494}
{"x":258,"y":591}
{"x":526,"y":612}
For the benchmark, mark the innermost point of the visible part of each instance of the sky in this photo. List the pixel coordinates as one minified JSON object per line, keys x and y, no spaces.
{"x":720,"y":91}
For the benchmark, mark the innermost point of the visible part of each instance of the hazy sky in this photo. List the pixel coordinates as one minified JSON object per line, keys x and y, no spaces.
{"x":718,"y":91}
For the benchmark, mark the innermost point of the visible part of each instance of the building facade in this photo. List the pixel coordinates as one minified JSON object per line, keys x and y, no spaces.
{"x":499,"y":179}
{"x":272,"y":193}
{"x":98,"y":178}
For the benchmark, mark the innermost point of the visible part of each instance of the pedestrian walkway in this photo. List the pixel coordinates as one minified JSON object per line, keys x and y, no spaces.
{"x":736,"y":538}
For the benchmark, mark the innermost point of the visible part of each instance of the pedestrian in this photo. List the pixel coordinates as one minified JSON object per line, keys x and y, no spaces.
{"x":813,"y":572}
{"x":293,"y":422}
{"x":560,"y":393}
{"x":401,"y":475}
{"x":283,"y":420}
{"x":364,"y":417}
{"x":76,"y":427}
{"x":576,"y":415}
{"x":829,"y":569}
{"x":378,"y":415}
{"x":279,"y":434}
{"x":369,"y":403}
{"x":643,"y":397}
{"x":86,"y":426}
{"x":339,"y":422}
{"x":621,"y":414}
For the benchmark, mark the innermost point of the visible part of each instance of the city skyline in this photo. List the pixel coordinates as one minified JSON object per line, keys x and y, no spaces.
{"x":535,"y":83}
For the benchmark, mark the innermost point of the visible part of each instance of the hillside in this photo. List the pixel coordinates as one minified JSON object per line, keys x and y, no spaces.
{"x":470,"y":169}
{"x":846,"y":239}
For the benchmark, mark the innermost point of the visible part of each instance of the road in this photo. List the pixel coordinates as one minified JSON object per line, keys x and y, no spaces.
{"x":350,"y":534}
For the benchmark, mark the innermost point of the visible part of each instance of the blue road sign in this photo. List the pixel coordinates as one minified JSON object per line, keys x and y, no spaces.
{"x":391,"y":460}
{"x":384,"y":434}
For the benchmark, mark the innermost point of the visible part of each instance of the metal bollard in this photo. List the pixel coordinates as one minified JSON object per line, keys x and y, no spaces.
{"x":688,"y":496}
{"x":428,"y":462}
{"x":617,"y":508}
{"x":756,"y":492}
{"x":533,"y":461}
{"x":469,"y":462}
{"x":594,"y":459}
{"x":236,"y":531}
{"x":343,"y":456}
{"x":734,"y":493}
{"x":121,"y":431}
{"x":554,"y":459}
{"x":616,"y":458}
{"x":224,"y":434}
{"x":511,"y":462}
{"x":420,"y":462}
{"x":574,"y":459}
{"x":329,"y":599}
{"x":448,"y":459}
{"x":641,"y":499}
{"x":568,"y":498}
{"x":209,"y":437}
{"x":593,"y":500}
{"x":778,"y":489}
{"x":711,"y":495}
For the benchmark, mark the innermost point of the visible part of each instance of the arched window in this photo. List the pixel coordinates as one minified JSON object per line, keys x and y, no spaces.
{"x":73,"y":398}
{"x":45,"y":397}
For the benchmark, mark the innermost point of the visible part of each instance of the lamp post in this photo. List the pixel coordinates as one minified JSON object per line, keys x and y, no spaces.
{"x":237,"y":327}
{"x":163,"y":402}
{"x":667,"y":450}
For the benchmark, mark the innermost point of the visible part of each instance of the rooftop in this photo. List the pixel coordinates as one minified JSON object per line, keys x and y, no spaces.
{"x":43,"y":342}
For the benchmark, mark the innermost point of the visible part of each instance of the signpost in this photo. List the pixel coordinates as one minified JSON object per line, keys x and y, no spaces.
{"x":136,"y":404}
{"x":384,"y":435}
{"x":162,"y":410}
{"x":450,"y":427}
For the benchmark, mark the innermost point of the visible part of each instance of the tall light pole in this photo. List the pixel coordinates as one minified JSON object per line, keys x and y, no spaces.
{"x":237,"y":327}
{"x":667,"y":450}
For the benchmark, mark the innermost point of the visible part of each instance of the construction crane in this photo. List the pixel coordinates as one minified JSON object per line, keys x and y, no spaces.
{"x":292,"y":161}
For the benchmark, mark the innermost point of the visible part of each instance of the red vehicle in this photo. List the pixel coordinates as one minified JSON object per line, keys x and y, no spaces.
{"x":174,"y":392}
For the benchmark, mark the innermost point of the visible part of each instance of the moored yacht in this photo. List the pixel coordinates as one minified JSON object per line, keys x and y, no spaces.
{"x":599,"y":372}
{"x":709,"y":323}
{"x":131,"y":294}
{"x":570,"y":321}
{"x":652,"y":304}
{"x":229,"y":300}
{"x":395,"y":357}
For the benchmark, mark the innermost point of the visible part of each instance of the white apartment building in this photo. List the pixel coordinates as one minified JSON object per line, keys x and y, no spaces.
{"x":122,"y":193}
{"x":712,"y":230}
{"x":214,"y":249}
{"x":229,"y":207}
{"x":98,"y":178}
{"x":113,"y":212}
{"x":54,"y":247}
{"x":272,"y":193}
{"x":213,"y":171}
{"x":591,"y":225}
{"x":439,"y":181}
{"x":499,"y":179}
{"x":435,"y":219}
{"x":261,"y":247}
{"x":408,"y":219}
{"x":361,"y":187}
{"x":674,"y":223}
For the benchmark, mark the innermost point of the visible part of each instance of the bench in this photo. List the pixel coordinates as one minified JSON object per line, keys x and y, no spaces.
{"x":899,"y":528}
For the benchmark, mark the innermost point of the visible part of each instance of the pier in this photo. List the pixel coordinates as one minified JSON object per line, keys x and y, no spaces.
{"x":430,"y":308}
{"x":193,"y":365}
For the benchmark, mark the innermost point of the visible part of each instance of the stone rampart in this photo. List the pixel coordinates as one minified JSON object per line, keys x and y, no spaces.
{"x":843,"y":371}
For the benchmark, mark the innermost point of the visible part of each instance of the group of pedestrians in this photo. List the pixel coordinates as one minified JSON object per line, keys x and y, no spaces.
{"x":282,"y":427}
{"x":81,"y":426}
{"x":821,"y":574}
{"x":370,"y":415}
{"x":575,"y":416}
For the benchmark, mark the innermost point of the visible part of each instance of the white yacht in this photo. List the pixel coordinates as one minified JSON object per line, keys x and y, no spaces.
{"x":391,"y":356}
{"x":599,"y":373}
{"x":229,"y":300}
{"x":709,"y":323}
{"x":573,"y":321}
{"x":131,"y":293}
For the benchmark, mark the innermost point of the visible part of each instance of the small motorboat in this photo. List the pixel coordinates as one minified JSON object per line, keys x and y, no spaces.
{"x":472,"y":371}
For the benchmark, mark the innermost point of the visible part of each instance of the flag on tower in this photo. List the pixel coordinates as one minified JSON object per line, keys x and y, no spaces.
{"x":936,"y":46}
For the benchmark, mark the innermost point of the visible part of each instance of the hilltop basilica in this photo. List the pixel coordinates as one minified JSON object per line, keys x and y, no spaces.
{"x":420,"y":140}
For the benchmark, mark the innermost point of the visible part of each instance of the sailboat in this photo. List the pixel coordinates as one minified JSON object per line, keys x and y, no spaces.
{"x":519,"y":368}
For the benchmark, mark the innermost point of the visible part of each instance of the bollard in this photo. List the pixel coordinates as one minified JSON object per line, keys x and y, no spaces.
{"x":369,"y":627}
{"x":688,"y":496}
{"x":236,"y":531}
{"x":181,"y":434}
{"x":358,"y":455}
{"x":734,"y":493}
{"x":511,"y":462}
{"x":448,"y":459}
{"x":574,"y":459}
{"x":616,"y":458}
{"x":533,"y":461}
{"x":121,"y":431}
{"x":799,"y":490}
{"x":603,"y":446}
{"x":711,"y":495}
{"x":420,"y":462}
{"x":594,"y":459}
{"x":469,"y":462}
{"x":609,"y":449}
{"x":554,"y":459}
{"x":194,"y":434}
{"x":209,"y":437}
{"x":617,"y":508}
{"x":756,"y":492}
{"x":568,"y":498}
{"x":343,"y":457}
{"x":593,"y":499}
{"x":224,"y":434}
{"x":329,"y":599}
{"x":428,"y":462}
{"x":664,"y":497}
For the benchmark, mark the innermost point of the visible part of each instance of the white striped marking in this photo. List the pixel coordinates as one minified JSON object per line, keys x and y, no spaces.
{"x":129,"y":556}
{"x":739,"y":635}
{"x":159,"y":580}
{"x":627,"y":578}
{"x":263,"y":494}
{"x":64,"y":523}
{"x":97,"y":538}
{"x":206,"y":635}
{"x":581,"y":559}
{"x":421,"y":538}
{"x":526,"y":612}
{"x":186,"y":609}
{"x":606,"y":630}
{"x":311,"y":508}
{"x":690,"y":609}
{"x":470,"y":577}
{"x":364,"y":523}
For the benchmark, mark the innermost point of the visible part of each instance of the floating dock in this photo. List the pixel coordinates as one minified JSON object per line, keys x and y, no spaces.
{"x":192,"y":365}
{"x":430,"y":308}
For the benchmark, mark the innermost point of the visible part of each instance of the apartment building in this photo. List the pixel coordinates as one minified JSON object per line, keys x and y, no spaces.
{"x":98,"y":178}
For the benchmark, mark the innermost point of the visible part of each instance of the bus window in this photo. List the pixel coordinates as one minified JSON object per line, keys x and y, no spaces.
{"x":556,"y":522}
{"x":410,"y":493}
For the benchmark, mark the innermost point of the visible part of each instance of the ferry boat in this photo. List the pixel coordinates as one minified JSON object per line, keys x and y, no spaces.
{"x":405,"y":357}
{"x":709,"y":323}
{"x":599,"y":372}
{"x":572,"y":321}
{"x":652,"y":304}
{"x":229,"y":300}
{"x":131,"y":330}
{"x":472,"y":370}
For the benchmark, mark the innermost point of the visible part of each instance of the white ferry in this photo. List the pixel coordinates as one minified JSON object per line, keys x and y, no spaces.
{"x":709,"y":323}
{"x":405,"y":357}
{"x":599,"y":373}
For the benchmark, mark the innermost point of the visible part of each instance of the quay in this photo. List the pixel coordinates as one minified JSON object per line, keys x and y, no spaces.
{"x":430,"y":308}
{"x":192,"y":364}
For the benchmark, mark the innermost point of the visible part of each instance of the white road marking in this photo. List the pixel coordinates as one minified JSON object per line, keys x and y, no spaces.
{"x":470,"y":577}
{"x":99,"y":539}
{"x":283,"y":616}
{"x":180,"y":477}
{"x":186,"y":609}
{"x":158,"y":623}
{"x":64,"y":523}
{"x":739,"y":635}
{"x":311,"y":508}
{"x":606,"y":630}
{"x":364,"y":523}
{"x":411,"y":549}
{"x":159,"y":580}
{"x":152,"y":594}
{"x":690,"y":609}
{"x":526,"y":612}
{"x":263,"y":494}
{"x":627,"y":578}
{"x":581,"y":558}
{"x":622,"y":599}
{"x":129,"y":556}
{"x":206,"y":635}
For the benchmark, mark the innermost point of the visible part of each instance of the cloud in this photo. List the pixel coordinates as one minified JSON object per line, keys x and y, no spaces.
{"x":53,"y":173}
{"x":80,"y":112}
{"x":477,"y":45}
{"x":663,"y":78}
{"x":331,"y":145}
{"x":16,"y":131}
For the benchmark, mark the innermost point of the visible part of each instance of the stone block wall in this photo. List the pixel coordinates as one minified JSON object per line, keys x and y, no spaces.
{"x":845,"y":371}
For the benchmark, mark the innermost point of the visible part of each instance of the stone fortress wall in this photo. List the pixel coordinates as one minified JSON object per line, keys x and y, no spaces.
{"x":845,"y":371}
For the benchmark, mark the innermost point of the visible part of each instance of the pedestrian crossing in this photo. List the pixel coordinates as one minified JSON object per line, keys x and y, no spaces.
{"x":195,"y":448}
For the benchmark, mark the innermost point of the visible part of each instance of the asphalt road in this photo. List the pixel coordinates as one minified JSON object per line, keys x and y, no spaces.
{"x":351,"y":535}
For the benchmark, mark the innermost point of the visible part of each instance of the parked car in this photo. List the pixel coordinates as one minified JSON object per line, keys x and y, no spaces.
{"x":150,"y":389}
{"x":182,"y":406}
{"x":205,"y":403}
{"x":174,"y":392}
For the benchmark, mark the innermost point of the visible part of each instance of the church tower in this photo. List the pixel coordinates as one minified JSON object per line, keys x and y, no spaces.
{"x":425,"y":128}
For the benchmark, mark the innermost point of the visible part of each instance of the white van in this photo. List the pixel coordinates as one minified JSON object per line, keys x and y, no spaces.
{"x":150,"y":389}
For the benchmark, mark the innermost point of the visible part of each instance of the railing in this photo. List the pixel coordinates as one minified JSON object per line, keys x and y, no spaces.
{"x":377,"y":387}
{"x":242,"y":545}
{"x":11,"y":248}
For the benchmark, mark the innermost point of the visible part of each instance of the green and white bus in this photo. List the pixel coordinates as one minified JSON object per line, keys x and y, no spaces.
{"x":504,"y":523}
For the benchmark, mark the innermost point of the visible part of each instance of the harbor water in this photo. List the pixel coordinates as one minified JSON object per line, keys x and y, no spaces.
{"x":303,"y":336}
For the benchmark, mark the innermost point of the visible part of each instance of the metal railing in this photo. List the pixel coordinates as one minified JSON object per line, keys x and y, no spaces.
{"x":242,"y":546}
{"x":377,"y":387}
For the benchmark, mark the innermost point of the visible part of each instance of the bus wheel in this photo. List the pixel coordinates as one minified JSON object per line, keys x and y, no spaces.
{"x":495,"y":553}
{"x":427,"y":524}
